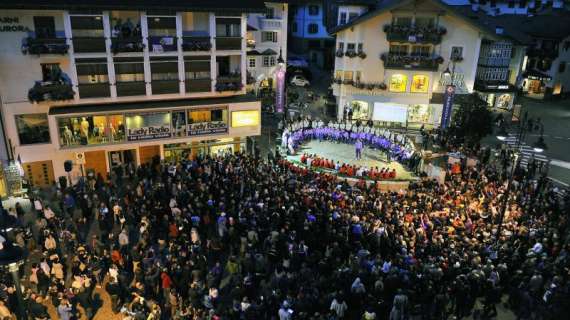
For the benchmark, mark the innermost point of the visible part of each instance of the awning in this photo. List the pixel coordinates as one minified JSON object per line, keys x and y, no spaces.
{"x":147,"y":104}
{"x":251,"y":28}
{"x":534,"y":74}
{"x":269,"y":52}
{"x":253,"y":53}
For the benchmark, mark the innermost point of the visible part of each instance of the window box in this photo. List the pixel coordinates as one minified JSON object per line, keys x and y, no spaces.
{"x":339,"y":53}
{"x":50,"y":91}
{"x":198,"y":85}
{"x":85,"y":45}
{"x":228,"y":43}
{"x":119,"y":45}
{"x":196,"y":44}
{"x":361,"y":55}
{"x":396,"y":61}
{"x":45,"y":46}
{"x":350,"y":53}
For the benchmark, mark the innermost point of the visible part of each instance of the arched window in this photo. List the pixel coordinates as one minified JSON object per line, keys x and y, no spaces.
{"x":398,"y":83}
{"x":420,"y":84}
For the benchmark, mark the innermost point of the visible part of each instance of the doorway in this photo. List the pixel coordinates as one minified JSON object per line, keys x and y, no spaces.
{"x":121,"y":158}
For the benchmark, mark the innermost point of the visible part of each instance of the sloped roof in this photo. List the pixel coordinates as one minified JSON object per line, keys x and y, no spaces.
{"x":181,"y":5}
{"x":480,"y":21}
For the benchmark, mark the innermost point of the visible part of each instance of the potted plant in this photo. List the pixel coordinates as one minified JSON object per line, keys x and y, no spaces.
{"x":382,"y":86}
{"x":370,"y":86}
{"x":339,"y":53}
{"x":351,"y":53}
{"x":362,"y":55}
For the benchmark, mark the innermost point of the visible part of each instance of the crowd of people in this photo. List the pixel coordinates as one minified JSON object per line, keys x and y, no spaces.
{"x":373,"y":173}
{"x":236,"y":237}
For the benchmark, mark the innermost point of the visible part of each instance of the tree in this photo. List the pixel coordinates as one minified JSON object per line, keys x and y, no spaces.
{"x":472,"y":120}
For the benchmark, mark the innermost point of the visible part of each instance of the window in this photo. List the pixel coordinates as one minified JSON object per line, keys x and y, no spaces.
{"x":268,"y":36}
{"x":270,"y":13}
{"x":294,"y":27}
{"x":131,"y":71}
{"x":424,"y":22}
{"x":403,"y":21}
{"x":342,"y":18}
{"x":338,"y":74}
{"x":401,"y":50}
{"x":313,"y":10}
{"x":420,"y":84}
{"x":456,"y":53}
{"x":420,"y":51}
{"x":398,"y":83}
{"x":348,"y":75}
{"x":341,"y":46}
{"x":268,"y":61}
{"x":207,"y":115}
{"x":164,"y":70}
{"x":89,"y":130}
{"x":562,"y":67}
{"x":350,"y":46}
{"x":251,"y":62}
{"x":228,"y":27}
{"x":44,"y":27}
{"x":313,"y":28}
{"x":50,"y":71}
{"x":357,"y":76}
{"x":360,"y":48}
{"x":352,"y":16}
{"x":33,"y":128}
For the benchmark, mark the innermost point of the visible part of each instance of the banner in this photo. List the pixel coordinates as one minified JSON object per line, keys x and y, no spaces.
{"x":448,"y":98}
{"x":204,"y":121}
{"x":148,"y":126}
{"x":280,"y":91}
{"x":517,"y":108}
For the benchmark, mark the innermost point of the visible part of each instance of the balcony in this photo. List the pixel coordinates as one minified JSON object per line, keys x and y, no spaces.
{"x":120,"y":45}
{"x":198,"y":85}
{"x":395,"y":33}
{"x":229,"y":83}
{"x":45,"y":46}
{"x":270,"y":24}
{"x":50,"y":91}
{"x":196,"y":44}
{"x":228,"y":43}
{"x":131,"y":88}
{"x":94,"y":90}
{"x":397,"y":61}
{"x":88,"y":45}
{"x":159,"y":44}
{"x":165,"y":86}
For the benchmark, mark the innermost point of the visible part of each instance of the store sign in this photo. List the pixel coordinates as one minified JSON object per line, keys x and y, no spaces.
{"x":203,"y":128}
{"x":448,"y":98}
{"x":12,"y":24}
{"x":148,"y":126}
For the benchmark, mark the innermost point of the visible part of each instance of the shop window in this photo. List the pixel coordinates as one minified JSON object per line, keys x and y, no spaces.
{"x":116,"y":128}
{"x":85,"y":130}
{"x":207,"y":121}
{"x":313,"y":28}
{"x":420,"y":113}
{"x":360,"y":110}
{"x":420,"y":84}
{"x":178,"y":123}
{"x":398,"y":83}
{"x":33,"y":128}
{"x":148,"y":126}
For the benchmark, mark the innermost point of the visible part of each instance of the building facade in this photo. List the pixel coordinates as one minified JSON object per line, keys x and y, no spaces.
{"x":393,"y":63}
{"x":266,"y":41}
{"x":500,"y":7}
{"x":104,"y":86}
{"x":309,"y":35}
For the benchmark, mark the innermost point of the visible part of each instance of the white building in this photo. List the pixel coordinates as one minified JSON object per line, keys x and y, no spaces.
{"x":266,"y":40}
{"x":498,"y":7}
{"x":391,"y":62}
{"x":123,"y":83}
{"x":309,"y":35}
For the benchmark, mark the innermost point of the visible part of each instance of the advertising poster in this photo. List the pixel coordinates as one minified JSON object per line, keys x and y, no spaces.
{"x":148,"y":126}
{"x":179,"y":123}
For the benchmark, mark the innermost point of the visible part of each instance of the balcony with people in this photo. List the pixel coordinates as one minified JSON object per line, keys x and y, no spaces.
{"x":88,"y":35}
{"x":414,"y":58}
{"x":229,"y":74}
{"x":414,"y":30}
{"x":126,"y":33}
{"x":54,"y":86}
{"x":196,"y":31}
{"x":45,"y":39}
{"x":228,"y":33}
{"x":162,"y":34}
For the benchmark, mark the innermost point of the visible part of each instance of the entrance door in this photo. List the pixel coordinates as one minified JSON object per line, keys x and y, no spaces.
{"x":39,"y":173}
{"x":121,"y":157}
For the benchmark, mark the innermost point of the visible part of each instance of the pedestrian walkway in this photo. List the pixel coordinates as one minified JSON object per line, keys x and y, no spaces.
{"x":527,"y":152}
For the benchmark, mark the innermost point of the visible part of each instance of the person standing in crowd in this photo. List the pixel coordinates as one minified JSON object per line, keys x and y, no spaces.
{"x":358,"y":148}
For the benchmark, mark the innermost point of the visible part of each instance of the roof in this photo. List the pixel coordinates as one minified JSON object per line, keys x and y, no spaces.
{"x":251,"y":28}
{"x":147,"y":104}
{"x":181,"y":5}
{"x":253,"y":53}
{"x":480,"y":21}
{"x":269,"y":52}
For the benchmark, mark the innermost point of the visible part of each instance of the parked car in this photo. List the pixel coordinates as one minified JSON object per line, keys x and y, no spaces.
{"x":305,"y":72}
{"x":297,"y":62}
{"x":300,"y":81}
